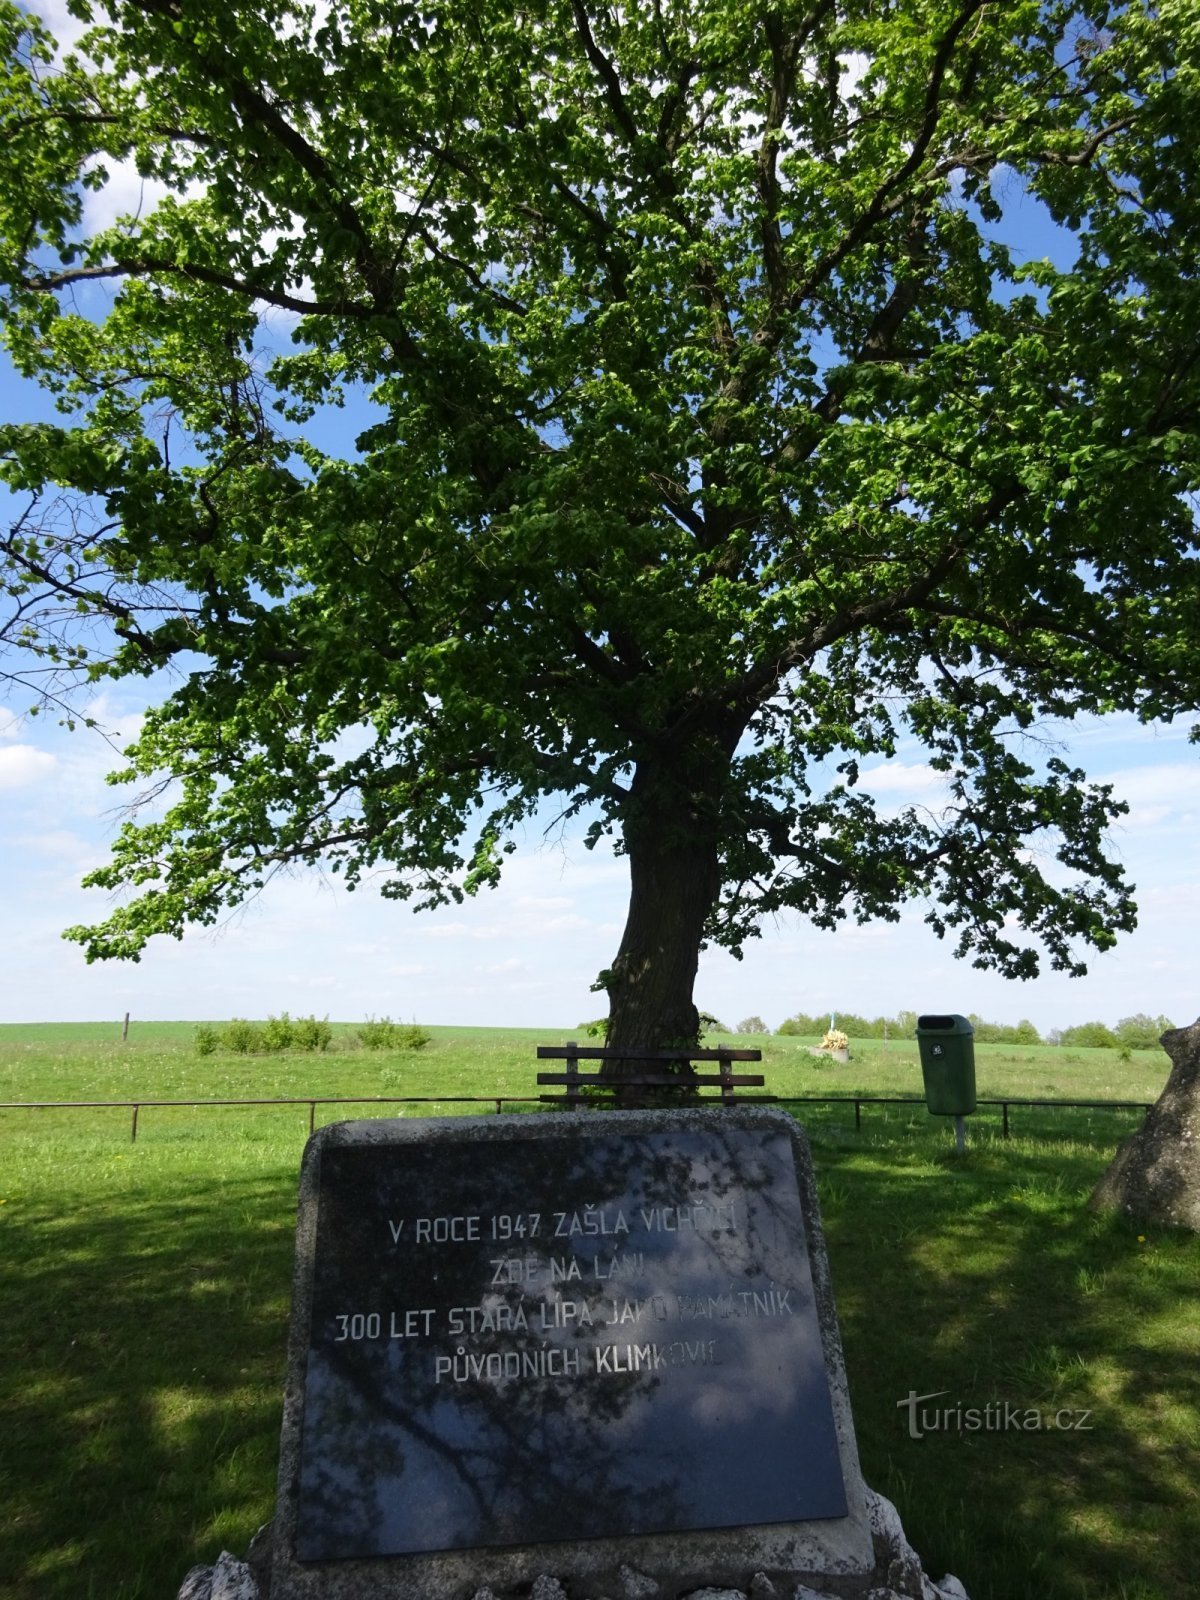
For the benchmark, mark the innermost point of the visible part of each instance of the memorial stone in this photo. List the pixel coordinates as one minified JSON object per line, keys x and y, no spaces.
{"x":563,"y":1344}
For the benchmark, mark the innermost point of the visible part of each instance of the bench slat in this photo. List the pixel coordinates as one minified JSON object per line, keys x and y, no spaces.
{"x":662,"y":1080}
{"x":561,"y":1052}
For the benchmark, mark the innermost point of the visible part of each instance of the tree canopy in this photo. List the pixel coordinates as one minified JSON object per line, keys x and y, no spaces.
{"x":722,"y":435}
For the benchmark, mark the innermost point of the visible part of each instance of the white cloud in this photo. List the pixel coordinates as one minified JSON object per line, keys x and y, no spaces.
{"x":463,"y":930}
{"x":58,"y":845}
{"x":903,"y":778}
{"x":23,"y":764}
{"x":126,"y":193}
{"x":1169,"y":789}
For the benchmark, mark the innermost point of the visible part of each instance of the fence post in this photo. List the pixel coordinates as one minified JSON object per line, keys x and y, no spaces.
{"x":1005,"y":1106}
{"x":572,"y":1074}
{"x":726,"y":1069}
{"x":125,"y":1028}
{"x":133,"y":1127}
{"x":857,"y":1115}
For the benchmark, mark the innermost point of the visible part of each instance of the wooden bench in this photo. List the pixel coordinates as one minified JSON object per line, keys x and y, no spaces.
{"x":687,"y":1079}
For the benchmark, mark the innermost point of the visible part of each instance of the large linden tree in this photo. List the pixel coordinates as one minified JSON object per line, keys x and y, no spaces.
{"x":719,"y":429}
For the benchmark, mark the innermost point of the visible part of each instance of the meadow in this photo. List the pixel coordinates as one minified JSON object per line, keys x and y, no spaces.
{"x":146,"y":1292}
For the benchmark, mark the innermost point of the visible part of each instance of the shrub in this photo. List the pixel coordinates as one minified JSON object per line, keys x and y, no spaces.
{"x":377,"y":1033}
{"x":595,"y":1030}
{"x":310,"y":1034}
{"x":711,"y":1024}
{"x":279,"y":1033}
{"x":207,"y":1039}
{"x":385,"y":1034}
{"x":242,"y":1037}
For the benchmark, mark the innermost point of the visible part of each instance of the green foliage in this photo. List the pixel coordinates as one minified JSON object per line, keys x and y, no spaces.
{"x":384,"y":1034}
{"x":595,"y":1030}
{"x":279,"y":1033}
{"x":723,"y":439}
{"x":377,"y":1033}
{"x":753,"y":1024}
{"x":311,"y":1033}
{"x":851,"y":1024}
{"x":1004,"y":1033}
{"x":242,"y":1037}
{"x":856,"y":1027}
{"x":711,"y":1024}
{"x":1089,"y":1035}
{"x":1142,"y":1032}
{"x":410,"y":1036}
{"x":802,"y":1025}
{"x":272,"y":1037}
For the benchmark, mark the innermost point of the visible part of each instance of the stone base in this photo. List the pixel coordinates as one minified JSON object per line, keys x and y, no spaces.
{"x":896,"y":1575}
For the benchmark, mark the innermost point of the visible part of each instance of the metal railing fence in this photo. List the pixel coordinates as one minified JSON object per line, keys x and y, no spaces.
{"x":500,"y":1101}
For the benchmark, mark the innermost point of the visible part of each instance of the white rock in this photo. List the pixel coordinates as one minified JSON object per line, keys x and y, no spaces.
{"x":950,"y":1588}
{"x":232,"y":1579}
{"x":547,"y":1589}
{"x":885,"y":1521}
{"x":197,"y":1584}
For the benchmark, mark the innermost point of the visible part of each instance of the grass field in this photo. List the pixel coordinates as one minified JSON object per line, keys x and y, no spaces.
{"x":146,"y":1286}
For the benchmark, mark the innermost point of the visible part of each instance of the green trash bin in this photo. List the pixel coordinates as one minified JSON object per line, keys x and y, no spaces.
{"x":947,"y":1046}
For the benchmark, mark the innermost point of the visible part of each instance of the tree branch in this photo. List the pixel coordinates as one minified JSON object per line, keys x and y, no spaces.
{"x":878,"y":206}
{"x":606,"y":72}
{"x":49,"y":283}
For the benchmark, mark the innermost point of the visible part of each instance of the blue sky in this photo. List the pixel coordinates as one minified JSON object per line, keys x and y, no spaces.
{"x":527,"y":953}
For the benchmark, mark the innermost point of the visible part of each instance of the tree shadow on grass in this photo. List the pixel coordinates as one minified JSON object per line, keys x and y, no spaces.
{"x":145,"y":1354}
{"x":141,"y":1385}
{"x":984,"y":1285}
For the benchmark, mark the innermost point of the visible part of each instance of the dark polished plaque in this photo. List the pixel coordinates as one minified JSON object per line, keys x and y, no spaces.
{"x":516,"y":1341}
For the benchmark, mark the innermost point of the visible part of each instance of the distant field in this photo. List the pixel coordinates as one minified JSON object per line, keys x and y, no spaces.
{"x":145,"y":1290}
{"x":87,"y":1060}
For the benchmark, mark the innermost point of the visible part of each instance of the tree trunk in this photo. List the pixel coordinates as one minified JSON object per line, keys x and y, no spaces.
{"x":1155,"y":1175}
{"x":672,"y":833}
{"x":671,"y":892}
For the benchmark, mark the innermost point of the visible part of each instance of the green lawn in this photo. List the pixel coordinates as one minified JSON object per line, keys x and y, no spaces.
{"x":146,"y":1285}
